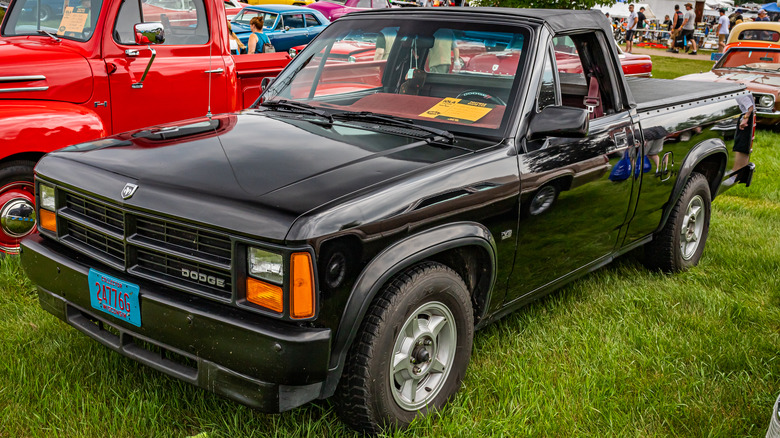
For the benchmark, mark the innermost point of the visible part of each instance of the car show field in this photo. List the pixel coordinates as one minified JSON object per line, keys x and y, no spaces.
{"x":619,"y":352}
{"x":469,"y":222}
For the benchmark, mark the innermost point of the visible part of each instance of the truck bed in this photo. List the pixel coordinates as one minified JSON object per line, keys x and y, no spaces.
{"x":651,"y":94}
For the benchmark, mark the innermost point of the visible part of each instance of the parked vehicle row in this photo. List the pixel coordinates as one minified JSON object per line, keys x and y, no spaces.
{"x":347,"y":234}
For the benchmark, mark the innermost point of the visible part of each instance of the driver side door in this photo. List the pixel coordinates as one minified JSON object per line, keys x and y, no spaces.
{"x":186,"y":67}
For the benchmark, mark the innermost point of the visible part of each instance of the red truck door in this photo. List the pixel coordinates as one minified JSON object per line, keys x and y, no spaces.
{"x":177,"y":85}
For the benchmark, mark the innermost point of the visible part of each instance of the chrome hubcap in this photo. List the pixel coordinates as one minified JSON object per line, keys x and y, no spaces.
{"x":423,"y":355}
{"x":692,"y":227}
{"x":17,"y":217}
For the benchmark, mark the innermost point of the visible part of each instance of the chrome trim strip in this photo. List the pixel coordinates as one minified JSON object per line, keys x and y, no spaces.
{"x":13,"y":90}
{"x":22,"y":78}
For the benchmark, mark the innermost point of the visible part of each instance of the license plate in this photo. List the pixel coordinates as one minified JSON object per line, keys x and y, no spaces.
{"x":116,"y":297}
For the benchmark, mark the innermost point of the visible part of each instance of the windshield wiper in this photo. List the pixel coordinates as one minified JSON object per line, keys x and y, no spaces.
{"x":298,"y":106}
{"x":395,"y":121}
{"x":43,"y":32}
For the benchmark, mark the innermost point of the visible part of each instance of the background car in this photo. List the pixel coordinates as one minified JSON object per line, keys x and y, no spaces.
{"x":286,"y":26}
{"x":233,"y":7}
{"x":755,"y":64}
{"x":334,"y":9}
{"x":282,"y":2}
{"x":764,"y":33}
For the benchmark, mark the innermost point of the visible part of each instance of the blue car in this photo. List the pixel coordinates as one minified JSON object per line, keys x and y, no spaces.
{"x":286,"y":26}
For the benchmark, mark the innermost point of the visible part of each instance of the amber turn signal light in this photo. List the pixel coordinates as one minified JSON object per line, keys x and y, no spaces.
{"x":47,"y":220}
{"x":302,"y":286}
{"x":264,"y":294}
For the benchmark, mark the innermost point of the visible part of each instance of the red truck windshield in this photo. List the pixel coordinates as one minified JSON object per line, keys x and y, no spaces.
{"x":71,"y":19}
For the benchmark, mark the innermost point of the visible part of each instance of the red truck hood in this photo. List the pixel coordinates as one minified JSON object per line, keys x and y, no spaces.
{"x":58,"y":73}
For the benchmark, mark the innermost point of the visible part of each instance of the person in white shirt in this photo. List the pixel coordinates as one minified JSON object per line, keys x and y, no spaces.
{"x":633,"y":17}
{"x":722,"y":29}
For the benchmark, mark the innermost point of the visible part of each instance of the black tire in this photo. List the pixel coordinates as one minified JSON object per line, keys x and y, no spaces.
{"x":667,"y":252}
{"x":369,"y":397}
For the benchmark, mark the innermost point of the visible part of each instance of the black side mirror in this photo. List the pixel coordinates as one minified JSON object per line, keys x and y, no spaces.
{"x":266,"y":82}
{"x":559,"y":121}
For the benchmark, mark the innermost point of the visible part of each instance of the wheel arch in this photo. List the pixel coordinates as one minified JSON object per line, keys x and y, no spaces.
{"x":466,"y":247}
{"x":708,"y":158}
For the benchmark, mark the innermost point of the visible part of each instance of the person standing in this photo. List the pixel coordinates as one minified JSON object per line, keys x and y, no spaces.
{"x":677,"y":20}
{"x":667,"y":26}
{"x":722,"y":30}
{"x":633,"y":17}
{"x":762,"y":16}
{"x":689,"y":26}
{"x":258,"y":40}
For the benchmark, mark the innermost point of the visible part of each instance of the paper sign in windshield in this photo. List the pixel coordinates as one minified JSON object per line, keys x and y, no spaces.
{"x":73,"y":20}
{"x":458,"y":110}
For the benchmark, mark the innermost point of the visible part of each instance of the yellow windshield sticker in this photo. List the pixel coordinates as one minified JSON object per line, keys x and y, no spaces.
{"x":73,"y":20}
{"x":458,"y":110}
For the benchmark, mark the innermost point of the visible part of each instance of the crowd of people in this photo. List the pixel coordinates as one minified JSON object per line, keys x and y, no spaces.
{"x":679,"y":28}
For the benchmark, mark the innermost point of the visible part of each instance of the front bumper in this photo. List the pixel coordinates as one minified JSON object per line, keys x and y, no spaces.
{"x":767,"y":117}
{"x":265,"y":364}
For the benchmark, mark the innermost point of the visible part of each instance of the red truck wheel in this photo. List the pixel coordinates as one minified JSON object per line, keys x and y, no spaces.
{"x":17,"y":204}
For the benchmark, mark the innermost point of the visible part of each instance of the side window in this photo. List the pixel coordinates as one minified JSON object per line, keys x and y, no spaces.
{"x":312,"y":21}
{"x":294,"y":21}
{"x":363,"y":4}
{"x":380,"y":4}
{"x":184,"y":20}
{"x":548,"y":89}
{"x":584,"y":74}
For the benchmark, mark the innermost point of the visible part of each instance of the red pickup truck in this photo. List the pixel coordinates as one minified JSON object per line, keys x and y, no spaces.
{"x":77,"y":70}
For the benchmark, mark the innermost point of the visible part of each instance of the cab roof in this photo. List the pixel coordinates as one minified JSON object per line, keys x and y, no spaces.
{"x":558,"y":20}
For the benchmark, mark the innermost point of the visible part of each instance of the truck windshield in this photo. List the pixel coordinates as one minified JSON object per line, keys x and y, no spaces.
{"x":70,"y":19}
{"x":460,"y":77}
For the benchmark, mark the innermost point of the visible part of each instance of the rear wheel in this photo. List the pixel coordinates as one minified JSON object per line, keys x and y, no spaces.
{"x":412,"y":350}
{"x":17,"y":204}
{"x":680,"y":244}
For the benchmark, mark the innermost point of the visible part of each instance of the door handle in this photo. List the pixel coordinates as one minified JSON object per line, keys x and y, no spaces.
{"x":131,"y":52}
{"x":216,"y":70}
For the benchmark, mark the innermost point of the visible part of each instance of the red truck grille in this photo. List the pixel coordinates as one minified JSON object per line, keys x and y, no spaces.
{"x":181,"y":256}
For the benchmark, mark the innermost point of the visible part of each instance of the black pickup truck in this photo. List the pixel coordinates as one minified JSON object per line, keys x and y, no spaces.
{"x":348,"y":233}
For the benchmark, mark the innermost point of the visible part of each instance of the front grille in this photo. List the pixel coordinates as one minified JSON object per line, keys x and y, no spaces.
{"x":178,"y":270}
{"x":151,"y":247}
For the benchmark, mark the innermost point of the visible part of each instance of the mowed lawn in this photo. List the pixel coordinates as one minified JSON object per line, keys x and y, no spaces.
{"x":621,"y":352}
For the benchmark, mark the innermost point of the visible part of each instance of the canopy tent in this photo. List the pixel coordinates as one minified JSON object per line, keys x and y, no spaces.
{"x":771,"y":7}
{"x":620,"y":10}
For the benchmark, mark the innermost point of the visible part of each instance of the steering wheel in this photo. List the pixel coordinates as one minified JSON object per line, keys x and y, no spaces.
{"x":480,"y":96}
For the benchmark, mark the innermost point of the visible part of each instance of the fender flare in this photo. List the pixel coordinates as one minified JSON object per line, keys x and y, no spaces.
{"x":390,"y":262}
{"x":43,"y":126}
{"x":700,"y":152}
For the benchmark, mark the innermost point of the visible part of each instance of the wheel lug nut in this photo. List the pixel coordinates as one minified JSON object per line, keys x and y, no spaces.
{"x":428,"y":342}
{"x":416,"y":370}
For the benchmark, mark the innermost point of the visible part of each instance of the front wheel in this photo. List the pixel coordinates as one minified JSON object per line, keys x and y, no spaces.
{"x":17,"y":204}
{"x":412,"y":350}
{"x":680,"y":244}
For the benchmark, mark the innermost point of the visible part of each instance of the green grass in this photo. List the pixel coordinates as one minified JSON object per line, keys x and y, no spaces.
{"x":666,"y":67}
{"x":623,"y":351}
{"x":620,"y":352}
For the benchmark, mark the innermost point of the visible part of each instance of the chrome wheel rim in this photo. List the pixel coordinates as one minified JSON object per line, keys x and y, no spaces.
{"x":692,"y":227}
{"x":423,"y":355}
{"x":17,"y":214}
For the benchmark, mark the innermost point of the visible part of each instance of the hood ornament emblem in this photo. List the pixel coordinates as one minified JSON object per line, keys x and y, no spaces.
{"x":129,"y":190}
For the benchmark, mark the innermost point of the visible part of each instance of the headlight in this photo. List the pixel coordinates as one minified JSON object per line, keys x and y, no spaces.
{"x":46,"y":194}
{"x":266,"y":265}
{"x":351,"y":59}
{"x":766,"y":101}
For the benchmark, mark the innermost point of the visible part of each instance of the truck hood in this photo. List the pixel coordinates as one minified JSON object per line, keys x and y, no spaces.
{"x":252,"y":173}
{"x":43,"y":71}
{"x":755,"y":80}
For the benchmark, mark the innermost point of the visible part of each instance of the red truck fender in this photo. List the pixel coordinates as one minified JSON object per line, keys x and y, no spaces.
{"x":28,"y":130}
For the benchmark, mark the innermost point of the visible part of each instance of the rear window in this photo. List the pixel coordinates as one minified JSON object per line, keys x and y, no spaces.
{"x":759,"y":35}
